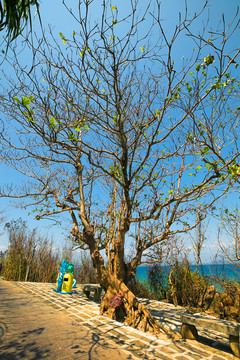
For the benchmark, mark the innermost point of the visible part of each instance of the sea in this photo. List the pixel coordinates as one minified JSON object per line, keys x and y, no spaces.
{"x":222,"y":271}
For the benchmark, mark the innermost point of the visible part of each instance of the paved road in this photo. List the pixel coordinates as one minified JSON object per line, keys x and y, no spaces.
{"x":38,"y":323}
{"x":32,"y":330}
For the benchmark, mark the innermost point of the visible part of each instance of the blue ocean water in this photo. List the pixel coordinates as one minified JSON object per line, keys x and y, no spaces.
{"x":220,"y":270}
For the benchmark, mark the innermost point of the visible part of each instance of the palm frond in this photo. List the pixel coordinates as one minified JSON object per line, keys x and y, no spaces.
{"x":14,"y":16}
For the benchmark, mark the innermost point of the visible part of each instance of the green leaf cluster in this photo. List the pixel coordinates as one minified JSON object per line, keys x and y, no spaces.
{"x":116,"y":171}
{"x":25,"y":100}
{"x":63,"y":38}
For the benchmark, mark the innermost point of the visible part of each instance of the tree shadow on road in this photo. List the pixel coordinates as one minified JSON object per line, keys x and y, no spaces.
{"x":22,"y":347}
{"x":100,"y":345}
{"x":3,"y":330}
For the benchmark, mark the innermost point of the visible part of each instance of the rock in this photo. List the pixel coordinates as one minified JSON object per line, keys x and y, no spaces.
{"x":233,"y":312}
{"x":237,"y":301}
{"x":226,"y":300}
{"x":234,"y":343}
{"x":189,"y":332}
{"x":209,"y":297}
{"x":216,"y":305}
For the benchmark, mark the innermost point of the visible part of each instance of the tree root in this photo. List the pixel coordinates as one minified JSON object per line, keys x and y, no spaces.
{"x":133,"y":313}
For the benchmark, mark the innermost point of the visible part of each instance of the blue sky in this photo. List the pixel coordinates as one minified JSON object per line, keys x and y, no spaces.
{"x":54,"y":13}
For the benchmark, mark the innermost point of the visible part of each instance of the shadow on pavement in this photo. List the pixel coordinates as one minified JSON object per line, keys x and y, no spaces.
{"x":95,"y":347}
{"x":22,"y":348}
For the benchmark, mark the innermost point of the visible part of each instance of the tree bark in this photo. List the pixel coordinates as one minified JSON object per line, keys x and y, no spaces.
{"x":131,"y":312}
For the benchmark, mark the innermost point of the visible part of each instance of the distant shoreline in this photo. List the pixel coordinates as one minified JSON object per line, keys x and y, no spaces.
{"x":230,"y":271}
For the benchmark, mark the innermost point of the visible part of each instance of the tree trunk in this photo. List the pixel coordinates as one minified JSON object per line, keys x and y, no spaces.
{"x":131,"y":312}
{"x":113,"y":279}
{"x":27,"y":272}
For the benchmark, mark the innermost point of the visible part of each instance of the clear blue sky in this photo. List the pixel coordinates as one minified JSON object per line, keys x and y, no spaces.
{"x":54,"y":13}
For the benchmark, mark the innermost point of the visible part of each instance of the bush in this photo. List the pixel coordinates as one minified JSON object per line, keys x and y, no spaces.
{"x":29,"y":257}
{"x":44,"y":267}
{"x":140,"y":289}
{"x":158,"y":282}
{"x":85,"y":273}
{"x":176,"y":283}
{"x":187,"y":287}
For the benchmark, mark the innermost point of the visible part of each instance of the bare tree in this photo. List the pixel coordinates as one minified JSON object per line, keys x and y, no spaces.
{"x":29,"y":257}
{"x":229,"y":229}
{"x":21,"y":250}
{"x":2,"y":218}
{"x":198,"y":240}
{"x":111,"y":129}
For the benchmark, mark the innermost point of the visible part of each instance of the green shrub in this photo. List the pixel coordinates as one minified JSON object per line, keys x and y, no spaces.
{"x":158,"y":282}
{"x":140,"y":288}
{"x":187,"y":287}
{"x":176,"y":283}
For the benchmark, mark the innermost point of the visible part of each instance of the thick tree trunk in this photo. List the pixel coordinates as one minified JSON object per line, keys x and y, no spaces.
{"x":131,"y":312}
